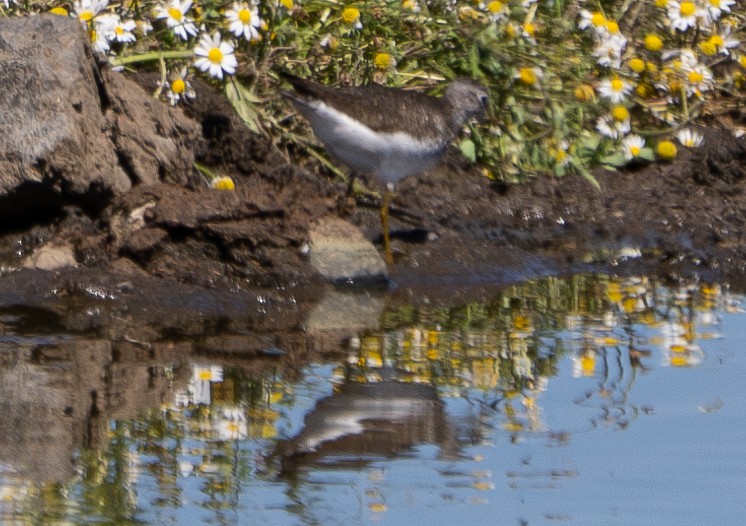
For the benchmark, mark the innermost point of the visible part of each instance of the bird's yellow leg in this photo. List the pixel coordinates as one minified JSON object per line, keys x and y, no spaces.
{"x":388,"y":194}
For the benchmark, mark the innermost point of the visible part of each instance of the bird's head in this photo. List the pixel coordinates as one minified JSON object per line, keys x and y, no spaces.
{"x":469,"y":98}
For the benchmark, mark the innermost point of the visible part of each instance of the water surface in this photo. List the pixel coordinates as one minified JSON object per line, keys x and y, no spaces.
{"x":587,"y":400}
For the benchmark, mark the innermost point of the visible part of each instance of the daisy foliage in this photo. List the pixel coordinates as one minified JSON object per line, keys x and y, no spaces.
{"x":574,"y":84}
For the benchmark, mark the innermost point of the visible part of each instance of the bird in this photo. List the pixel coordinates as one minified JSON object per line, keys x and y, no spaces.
{"x":388,"y":133}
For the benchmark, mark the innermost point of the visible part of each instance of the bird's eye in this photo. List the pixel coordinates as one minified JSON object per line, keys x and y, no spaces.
{"x":484,"y":100}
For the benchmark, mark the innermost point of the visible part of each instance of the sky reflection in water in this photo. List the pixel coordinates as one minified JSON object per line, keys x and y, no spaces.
{"x":589,"y":400}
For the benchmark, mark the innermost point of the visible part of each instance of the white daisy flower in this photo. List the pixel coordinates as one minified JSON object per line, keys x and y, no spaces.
{"x":121,"y":31}
{"x":613,"y":128}
{"x":175,"y":14}
{"x":614,"y":89}
{"x":215,"y":56}
{"x":595,"y":20}
{"x":688,"y":58}
{"x":179,"y":87}
{"x":714,"y":9}
{"x":683,"y":15}
{"x":99,"y":42}
{"x":689,"y":138}
{"x":103,"y":27}
{"x":632,"y":145}
{"x":495,"y":9}
{"x":698,"y":79}
{"x":561,"y":154}
{"x":609,"y":51}
{"x":328,"y":41}
{"x":85,"y":10}
{"x":244,"y":20}
{"x":724,"y":42}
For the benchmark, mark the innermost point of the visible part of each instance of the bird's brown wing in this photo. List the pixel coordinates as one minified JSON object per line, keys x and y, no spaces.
{"x":382,"y":109}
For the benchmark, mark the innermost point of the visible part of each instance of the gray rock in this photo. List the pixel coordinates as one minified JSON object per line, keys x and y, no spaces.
{"x":71,"y":128}
{"x":51,"y":122}
{"x":338,"y":251}
{"x":51,"y":257}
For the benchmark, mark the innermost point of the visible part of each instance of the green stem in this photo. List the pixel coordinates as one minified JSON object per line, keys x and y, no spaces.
{"x":149,"y":57}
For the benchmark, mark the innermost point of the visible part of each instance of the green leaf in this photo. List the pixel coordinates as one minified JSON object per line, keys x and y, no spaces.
{"x":244,"y":102}
{"x":469,"y":149}
{"x":615,"y":159}
{"x":647,"y":154}
{"x":588,"y":176}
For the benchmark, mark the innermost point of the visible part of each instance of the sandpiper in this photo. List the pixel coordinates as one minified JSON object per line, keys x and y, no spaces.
{"x":388,"y":133}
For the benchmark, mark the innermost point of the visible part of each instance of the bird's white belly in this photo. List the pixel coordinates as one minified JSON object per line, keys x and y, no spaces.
{"x":388,"y":156}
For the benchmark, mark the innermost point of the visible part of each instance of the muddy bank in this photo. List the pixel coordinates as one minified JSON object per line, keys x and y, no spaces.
{"x":147,"y":216}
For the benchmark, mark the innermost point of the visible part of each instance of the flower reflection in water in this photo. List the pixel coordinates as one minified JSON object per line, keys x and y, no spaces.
{"x":432,"y":385}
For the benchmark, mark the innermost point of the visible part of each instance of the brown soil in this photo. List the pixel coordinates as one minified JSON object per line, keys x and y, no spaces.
{"x":685,"y":218}
{"x":453,"y":229}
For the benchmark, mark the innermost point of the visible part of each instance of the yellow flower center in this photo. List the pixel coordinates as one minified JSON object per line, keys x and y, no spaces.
{"x":584,"y":93}
{"x":620,"y":113}
{"x":495,"y":6}
{"x":351,"y":15}
{"x":742,"y":60}
{"x":708,"y":48}
{"x":666,"y":150}
{"x":409,"y":4}
{"x":560,"y":156}
{"x":715,"y":3}
{"x":511,"y":30}
{"x":175,"y":13}
{"x":527,"y":76}
{"x":244,"y":15}
{"x":215,"y":56}
{"x":634,"y":150}
{"x":687,"y":8}
{"x":530,"y":29}
{"x":612,"y":26}
{"x":695,"y":77}
{"x":382,"y":60}
{"x":637,"y":65}
{"x":332,"y":43}
{"x":86,"y":16}
{"x":288,"y":4}
{"x":178,"y":86}
{"x":717,"y":41}
{"x":661,"y":3}
{"x":617,"y":85}
{"x":598,"y":19}
{"x":223,"y":183}
{"x":653,"y":42}
{"x":59,"y":11}
{"x":644,"y":90}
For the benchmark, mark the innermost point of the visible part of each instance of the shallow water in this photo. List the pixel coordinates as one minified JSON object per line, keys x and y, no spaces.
{"x":587,"y":400}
